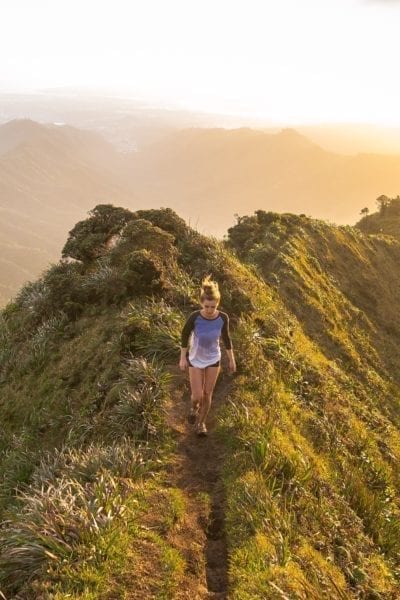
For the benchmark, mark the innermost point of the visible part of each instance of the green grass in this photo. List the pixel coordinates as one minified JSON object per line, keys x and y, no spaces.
{"x":310,"y":427}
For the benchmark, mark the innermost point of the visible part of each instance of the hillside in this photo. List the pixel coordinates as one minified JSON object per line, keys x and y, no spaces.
{"x":352,"y":138}
{"x":105,"y":490}
{"x":208,"y":175}
{"x":385,"y":221}
{"x":49,"y":177}
{"x":343,"y":286}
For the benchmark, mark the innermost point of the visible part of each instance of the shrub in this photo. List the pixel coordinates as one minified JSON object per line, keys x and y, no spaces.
{"x":87,"y":239}
{"x":139,"y":372}
{"x":142,"y":275}
{"x":107,"y":283}
{"x":166,"y":219}
{"x":143,"y":235}
{"x":102,"y":284}
{"x":59,"y":286}
{"x":32,"y":298}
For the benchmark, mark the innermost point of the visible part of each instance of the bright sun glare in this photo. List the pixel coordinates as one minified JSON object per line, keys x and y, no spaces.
{"x":288,"y":61}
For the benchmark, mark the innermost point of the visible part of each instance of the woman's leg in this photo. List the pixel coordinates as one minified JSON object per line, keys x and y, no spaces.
{"x":210,"y":379}
{"x":196,"y":378}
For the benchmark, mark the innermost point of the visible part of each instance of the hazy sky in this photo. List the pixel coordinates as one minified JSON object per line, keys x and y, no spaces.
{"x":290,"y":61}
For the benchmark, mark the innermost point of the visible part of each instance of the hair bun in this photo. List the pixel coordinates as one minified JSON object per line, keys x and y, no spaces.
{"x":210,"y":289}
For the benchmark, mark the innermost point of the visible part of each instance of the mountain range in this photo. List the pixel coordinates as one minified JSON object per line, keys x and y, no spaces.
{"x":50,"y":175}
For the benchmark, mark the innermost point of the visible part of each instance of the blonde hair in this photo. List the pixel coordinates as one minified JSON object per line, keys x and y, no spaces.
{"x":209,"y":290}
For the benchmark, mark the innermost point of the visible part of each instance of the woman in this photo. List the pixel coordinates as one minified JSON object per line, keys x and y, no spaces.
{"x":206,"y":325}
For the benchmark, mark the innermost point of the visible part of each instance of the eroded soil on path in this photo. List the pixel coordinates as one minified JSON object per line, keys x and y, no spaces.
{"x":196,"y":471}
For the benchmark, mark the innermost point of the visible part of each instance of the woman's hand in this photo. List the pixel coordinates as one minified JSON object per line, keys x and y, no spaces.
{"x":232,"y":365}
{"x":183,"y":364}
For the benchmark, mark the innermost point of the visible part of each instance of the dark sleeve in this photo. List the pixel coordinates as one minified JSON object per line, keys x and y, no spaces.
{"x":188,"y":328}
{"x":226,"y":336}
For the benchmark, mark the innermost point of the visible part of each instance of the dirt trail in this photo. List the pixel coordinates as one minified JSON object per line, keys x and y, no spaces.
{"x":196,"y":472}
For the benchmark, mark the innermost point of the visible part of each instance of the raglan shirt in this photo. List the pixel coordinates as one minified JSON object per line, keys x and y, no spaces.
{"x":205,"y":334}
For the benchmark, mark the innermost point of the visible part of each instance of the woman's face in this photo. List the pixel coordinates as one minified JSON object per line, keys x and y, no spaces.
{"x":209,"y":307}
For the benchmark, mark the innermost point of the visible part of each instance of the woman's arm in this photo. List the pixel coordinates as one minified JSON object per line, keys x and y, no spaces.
{"x":232,"y":361}
{"x":186,"y":331}
{"x":225,"y":334}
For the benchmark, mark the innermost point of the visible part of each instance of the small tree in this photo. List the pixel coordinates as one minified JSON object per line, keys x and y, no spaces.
{"x":245,"y":233}
{"x":364,"y":211}
{"x":382,"y":202}
{"x":87,"y":239}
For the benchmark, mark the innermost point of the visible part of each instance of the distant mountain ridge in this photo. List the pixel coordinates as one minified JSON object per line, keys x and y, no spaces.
{"x":50,"y":175}
{"x":122,"y":119}
{"x":206,"y":173}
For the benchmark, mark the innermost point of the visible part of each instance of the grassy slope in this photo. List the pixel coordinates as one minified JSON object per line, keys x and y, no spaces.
{"x":74,"y":377}
{"x":311,"y":423}
{"x":319,"y":427}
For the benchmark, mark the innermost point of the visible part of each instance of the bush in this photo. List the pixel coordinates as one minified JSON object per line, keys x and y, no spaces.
{"x":59,"y":286}
{"x":196,"y":254}
{"x":141,"y":391}
{"x":138,"y":413}
{"x":103,"y":284}
{"x":166,"y":219}
{"x":139,"y":372}
{"x":87,"y":239}
{"x":142,"y":275}
{"x":143,"y":235}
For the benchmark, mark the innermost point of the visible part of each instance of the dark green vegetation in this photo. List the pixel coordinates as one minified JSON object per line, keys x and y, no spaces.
{"x":311,"y":425}
{"x":386,"y":220}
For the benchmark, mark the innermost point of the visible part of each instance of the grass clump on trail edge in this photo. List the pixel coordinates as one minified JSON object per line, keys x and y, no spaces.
{"x":309,"y":430}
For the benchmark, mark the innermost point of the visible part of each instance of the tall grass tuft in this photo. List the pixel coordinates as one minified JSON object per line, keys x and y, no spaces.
{"x":155,"y":329}
{"x":44,"y":333}
{"x":139,"y":372}
{"x":138,"y":413}
{"x":59,"y":523}
{"x":141,"y":391}
{"x":123,"y":458}
{"x":32,"y":296}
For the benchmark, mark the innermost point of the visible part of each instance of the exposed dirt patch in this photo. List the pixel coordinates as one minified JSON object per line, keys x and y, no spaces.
{"x":196,"y":472}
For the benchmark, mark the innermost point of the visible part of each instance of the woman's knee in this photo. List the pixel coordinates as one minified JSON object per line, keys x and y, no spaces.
{"x":197,"y":396}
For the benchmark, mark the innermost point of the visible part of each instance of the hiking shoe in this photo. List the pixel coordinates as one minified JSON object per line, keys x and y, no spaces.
{"x":192,"y":416}
{"x":202,"y":430}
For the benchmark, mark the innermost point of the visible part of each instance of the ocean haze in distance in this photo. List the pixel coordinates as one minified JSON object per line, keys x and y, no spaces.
{"x":126,"y":120}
